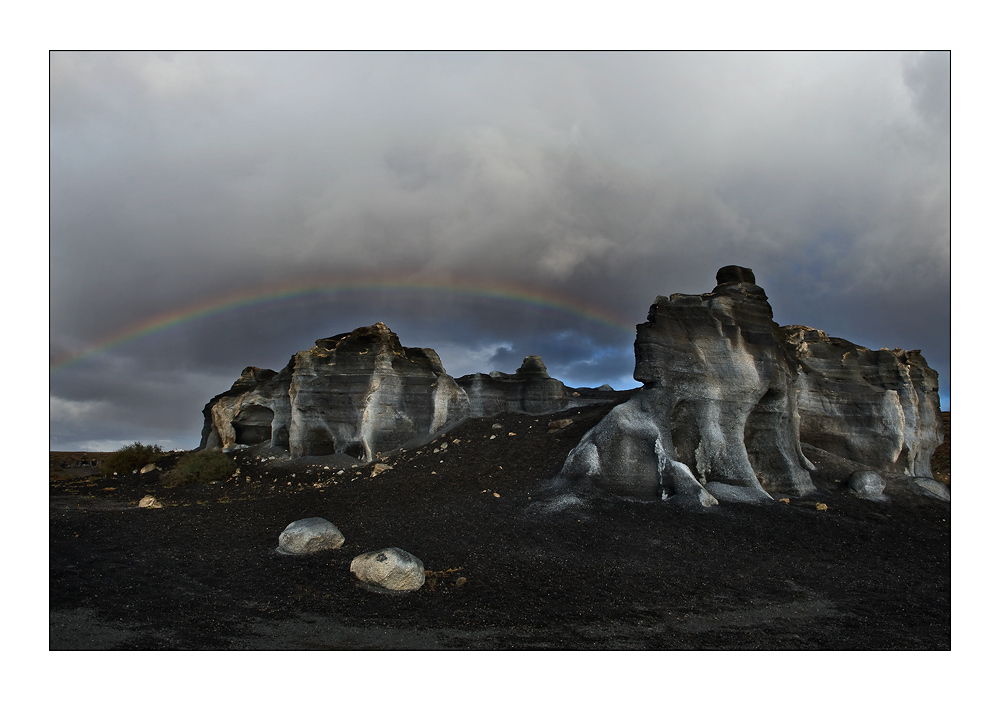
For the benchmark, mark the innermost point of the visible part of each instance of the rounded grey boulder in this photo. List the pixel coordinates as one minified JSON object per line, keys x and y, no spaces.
{"x":868,"y":484}
{"x":389,"y":568}
{"x":309,"y":535}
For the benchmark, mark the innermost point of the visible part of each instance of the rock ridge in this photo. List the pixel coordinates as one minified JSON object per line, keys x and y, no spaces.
{"x":363,"y":393}
{"x":729,"y":397}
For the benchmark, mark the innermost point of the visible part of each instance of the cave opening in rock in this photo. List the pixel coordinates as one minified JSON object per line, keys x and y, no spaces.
{"x":252,"y":425}
{"x":355,"y":449}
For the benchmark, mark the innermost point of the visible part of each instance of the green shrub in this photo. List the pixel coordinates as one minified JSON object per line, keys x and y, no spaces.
{"x":130,"y":457}
{"x":203,"y":466}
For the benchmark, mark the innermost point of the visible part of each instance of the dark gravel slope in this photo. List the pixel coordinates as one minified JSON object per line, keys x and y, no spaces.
{"x":541,"y":567}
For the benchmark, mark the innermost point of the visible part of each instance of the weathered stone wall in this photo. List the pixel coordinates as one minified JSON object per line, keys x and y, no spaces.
{"x":718,"y":405}
{"x":243,"y":406}
{"x":879,"y":408}
{"x":530,"y":390}
{"x":728,"y":395}
{"x":363,"y":393}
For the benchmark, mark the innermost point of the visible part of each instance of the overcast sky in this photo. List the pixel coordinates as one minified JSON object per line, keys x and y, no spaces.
{"x":486,"y":205}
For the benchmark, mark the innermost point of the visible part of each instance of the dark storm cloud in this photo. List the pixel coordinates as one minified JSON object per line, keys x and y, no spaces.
{"x":606,"y":179}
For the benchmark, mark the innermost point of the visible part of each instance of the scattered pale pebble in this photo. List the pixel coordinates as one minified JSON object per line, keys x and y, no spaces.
{"x":380,"y":468}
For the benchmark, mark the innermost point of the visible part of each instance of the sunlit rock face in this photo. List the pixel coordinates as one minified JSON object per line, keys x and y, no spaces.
{"x":879,"y":408}
{"x":729,"y":398}
{"x":364,"y":393}
{"x":359,"y":393}
{"x":717,"y":407}
{"x":256,"y":409}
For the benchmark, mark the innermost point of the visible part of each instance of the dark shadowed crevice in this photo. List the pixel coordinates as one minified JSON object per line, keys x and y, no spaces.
{"x":252,"y":425}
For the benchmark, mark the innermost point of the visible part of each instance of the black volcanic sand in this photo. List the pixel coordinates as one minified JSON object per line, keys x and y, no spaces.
{"x":544,"y":567}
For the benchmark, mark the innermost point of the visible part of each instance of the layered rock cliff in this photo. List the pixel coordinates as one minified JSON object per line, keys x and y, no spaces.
{"x":879,"y":408}
{"x":530,"y":390}
{"x":728,"y":395}
{"x":363,"y":392}
{"x":358,"y":393}
{"x":717,"y":412}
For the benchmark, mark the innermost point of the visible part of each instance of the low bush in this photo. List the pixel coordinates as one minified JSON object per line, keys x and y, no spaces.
{"x":130,"y":457}
{"x":203,"y":466}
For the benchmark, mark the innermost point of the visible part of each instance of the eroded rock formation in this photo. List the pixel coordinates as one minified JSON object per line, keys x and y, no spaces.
{"x":879,"y":408}
{"x":364,"y":393}
{"x":728,"y":395}
{"x":717,"y":411}
{"x":358,"y":393}
{"x":530,"y":390}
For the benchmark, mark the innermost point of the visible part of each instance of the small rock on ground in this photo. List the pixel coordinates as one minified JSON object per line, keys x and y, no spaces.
{"x":309,"y":535}
{"x":150,"y":502}
{"x":389,"y":568}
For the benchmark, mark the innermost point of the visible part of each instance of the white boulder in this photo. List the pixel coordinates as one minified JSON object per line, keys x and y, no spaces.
{"x":389,"y":568}
{"x":309,"y":535}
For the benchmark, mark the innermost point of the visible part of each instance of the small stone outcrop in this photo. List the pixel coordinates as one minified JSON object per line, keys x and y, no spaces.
{"x":879,"y":408}
{"x":717,"y":411}
{"x":309,"y":535}
{"x":530,"y":390}
{"x":390,"y":568}
{"x":363,"y":393}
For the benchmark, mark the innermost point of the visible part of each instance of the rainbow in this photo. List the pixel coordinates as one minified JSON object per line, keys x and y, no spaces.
{"x":535,"y":297}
